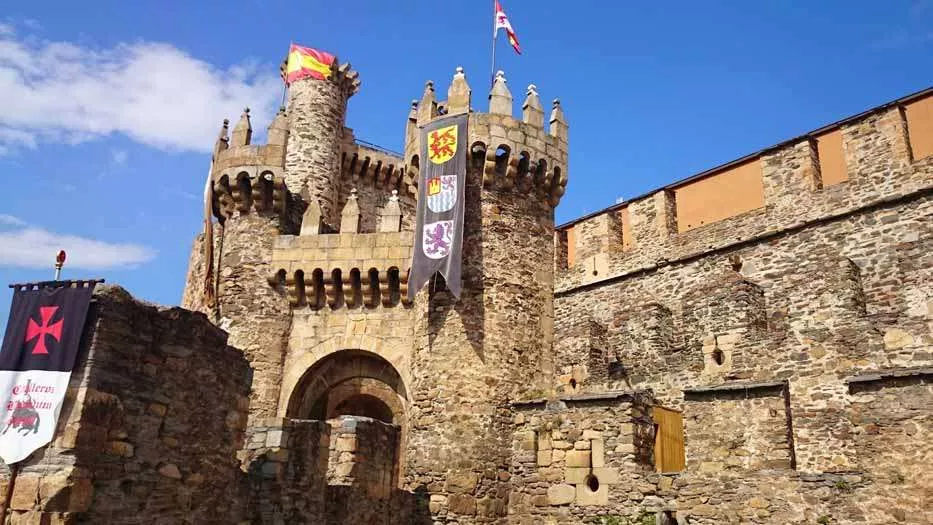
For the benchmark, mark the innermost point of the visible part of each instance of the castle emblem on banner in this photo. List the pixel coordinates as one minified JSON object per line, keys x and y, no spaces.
{"x":442,"y":144}
{"x":442,"y":193}
{"x":437,"y":238}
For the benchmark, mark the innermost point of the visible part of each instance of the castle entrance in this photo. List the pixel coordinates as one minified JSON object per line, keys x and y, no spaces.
{"x":363,"y":399}
{"x":350,"y":383}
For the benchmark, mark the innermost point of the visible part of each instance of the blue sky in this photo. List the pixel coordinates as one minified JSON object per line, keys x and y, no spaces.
{"x":108,"y":109}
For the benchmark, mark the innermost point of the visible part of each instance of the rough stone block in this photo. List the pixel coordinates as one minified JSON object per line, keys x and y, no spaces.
{"x":607,"y":475}
{"x":462,"y":504}
{"x":578,"y":458}
{"x":598,"y":453}
{"x":585,"y":496}
{"x":461,"y":481}
{"x":346,"y":443}
{"x":576,"y":475}
{"x":562,"y":494}
{"x":544,"y":458}
{"x":25,"y":492}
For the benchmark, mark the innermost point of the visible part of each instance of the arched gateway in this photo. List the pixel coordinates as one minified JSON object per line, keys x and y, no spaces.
{"x":350,"y":383}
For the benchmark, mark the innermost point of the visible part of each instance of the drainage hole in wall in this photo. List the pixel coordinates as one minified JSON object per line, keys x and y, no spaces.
{"x":717,"y":356}
{"x":592,"y":483}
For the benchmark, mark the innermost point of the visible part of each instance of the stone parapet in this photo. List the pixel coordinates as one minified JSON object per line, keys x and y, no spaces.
{"x":788,"y":185}
{"x":515,"y":153}
{"x":347,"y":269}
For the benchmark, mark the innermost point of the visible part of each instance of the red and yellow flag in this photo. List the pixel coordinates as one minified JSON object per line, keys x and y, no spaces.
{"x":304,"y":62}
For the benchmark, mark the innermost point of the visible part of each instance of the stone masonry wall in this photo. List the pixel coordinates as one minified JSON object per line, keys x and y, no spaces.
{"x":579,"y":458}
{"x":152,"y":421}
{"x":362,"y":472}
{"x":819,"y":286}
{"x":285,"y":471}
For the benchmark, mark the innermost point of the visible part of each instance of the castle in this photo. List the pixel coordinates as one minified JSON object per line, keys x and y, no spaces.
{"x":748,"y":345}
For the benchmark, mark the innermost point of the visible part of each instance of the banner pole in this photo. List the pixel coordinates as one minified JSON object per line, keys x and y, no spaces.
{"x":492,"y":72}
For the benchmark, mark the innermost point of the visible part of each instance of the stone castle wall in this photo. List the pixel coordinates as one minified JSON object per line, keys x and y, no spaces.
{"x":755,"y":327}
{"x":152,"y":422}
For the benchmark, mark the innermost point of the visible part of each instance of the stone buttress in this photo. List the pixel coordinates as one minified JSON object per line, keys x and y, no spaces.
{"x":493,"y":345}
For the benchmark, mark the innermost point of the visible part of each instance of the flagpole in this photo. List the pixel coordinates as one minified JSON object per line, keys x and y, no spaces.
{"x":285,"y":82}
{"x":492,"y":72}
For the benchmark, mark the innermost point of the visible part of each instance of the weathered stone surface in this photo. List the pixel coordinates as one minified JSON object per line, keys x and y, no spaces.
{"x":561,"y":494}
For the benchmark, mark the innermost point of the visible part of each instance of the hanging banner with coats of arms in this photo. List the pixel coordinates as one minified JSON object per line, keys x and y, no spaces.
{"x":441,"y":185}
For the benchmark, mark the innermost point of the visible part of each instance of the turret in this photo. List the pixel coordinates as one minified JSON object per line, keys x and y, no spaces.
{"x":476,"y":355}
{"x":316,"y":118}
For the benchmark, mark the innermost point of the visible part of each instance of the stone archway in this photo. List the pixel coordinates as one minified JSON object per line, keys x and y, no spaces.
{"x":356,"y":384}
{"x":349,"y":381}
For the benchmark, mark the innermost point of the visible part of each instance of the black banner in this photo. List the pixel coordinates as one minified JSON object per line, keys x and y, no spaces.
{"x":441,"y":191}
{"x":45,"y":328}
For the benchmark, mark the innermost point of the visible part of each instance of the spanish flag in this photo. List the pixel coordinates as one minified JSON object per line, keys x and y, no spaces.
{"x":304,"y":62}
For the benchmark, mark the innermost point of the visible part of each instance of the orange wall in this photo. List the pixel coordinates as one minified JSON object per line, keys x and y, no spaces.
{"x":832,"y":159}
{"x":720,"y":196}
{"x":920,"y":127}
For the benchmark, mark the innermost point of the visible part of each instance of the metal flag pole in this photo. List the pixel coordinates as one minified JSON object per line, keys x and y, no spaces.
{"x":285,"y":73}
{"x":492,"y":72}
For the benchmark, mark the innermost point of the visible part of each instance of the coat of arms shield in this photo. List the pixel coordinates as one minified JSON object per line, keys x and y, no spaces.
{"x":442,"y":193}
{"x":437,"y":238}
{"x":442,"y":144}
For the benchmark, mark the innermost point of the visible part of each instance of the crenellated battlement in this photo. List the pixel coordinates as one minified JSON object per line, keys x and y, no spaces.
{"x":249,"y":176}
{"x":820,"y":176}
{"x":365,"y":164}
{"x":515,"y":153}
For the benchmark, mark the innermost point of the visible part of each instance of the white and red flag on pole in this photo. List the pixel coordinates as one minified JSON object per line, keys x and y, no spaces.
{"x":502,"y":22}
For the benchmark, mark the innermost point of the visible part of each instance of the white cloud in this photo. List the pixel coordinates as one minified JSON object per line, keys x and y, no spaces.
{"x":9,"y":220}
{"x":33,"y":247}
{"x":154,"y":93}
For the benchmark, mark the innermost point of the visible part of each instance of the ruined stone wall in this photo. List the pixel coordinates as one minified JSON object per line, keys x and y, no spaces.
{"x":284,"y":468}
{"x":742,"y":429}
{"x":362,"y":472}
{"x":892,"y":430}
{"x":152,"y":422}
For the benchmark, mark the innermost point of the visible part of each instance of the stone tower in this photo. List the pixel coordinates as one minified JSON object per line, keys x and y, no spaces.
{"x":250,"y":205}
{"x":316,"y":115}
{"x":473,"y":357}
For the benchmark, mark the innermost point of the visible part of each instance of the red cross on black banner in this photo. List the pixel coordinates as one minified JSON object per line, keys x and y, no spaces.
{"x":36,"y":359}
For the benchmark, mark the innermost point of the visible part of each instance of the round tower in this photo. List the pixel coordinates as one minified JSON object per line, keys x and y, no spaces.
{"x":476,"y":355}
{"x":316,"y":118}
{"x":249,"y":202}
